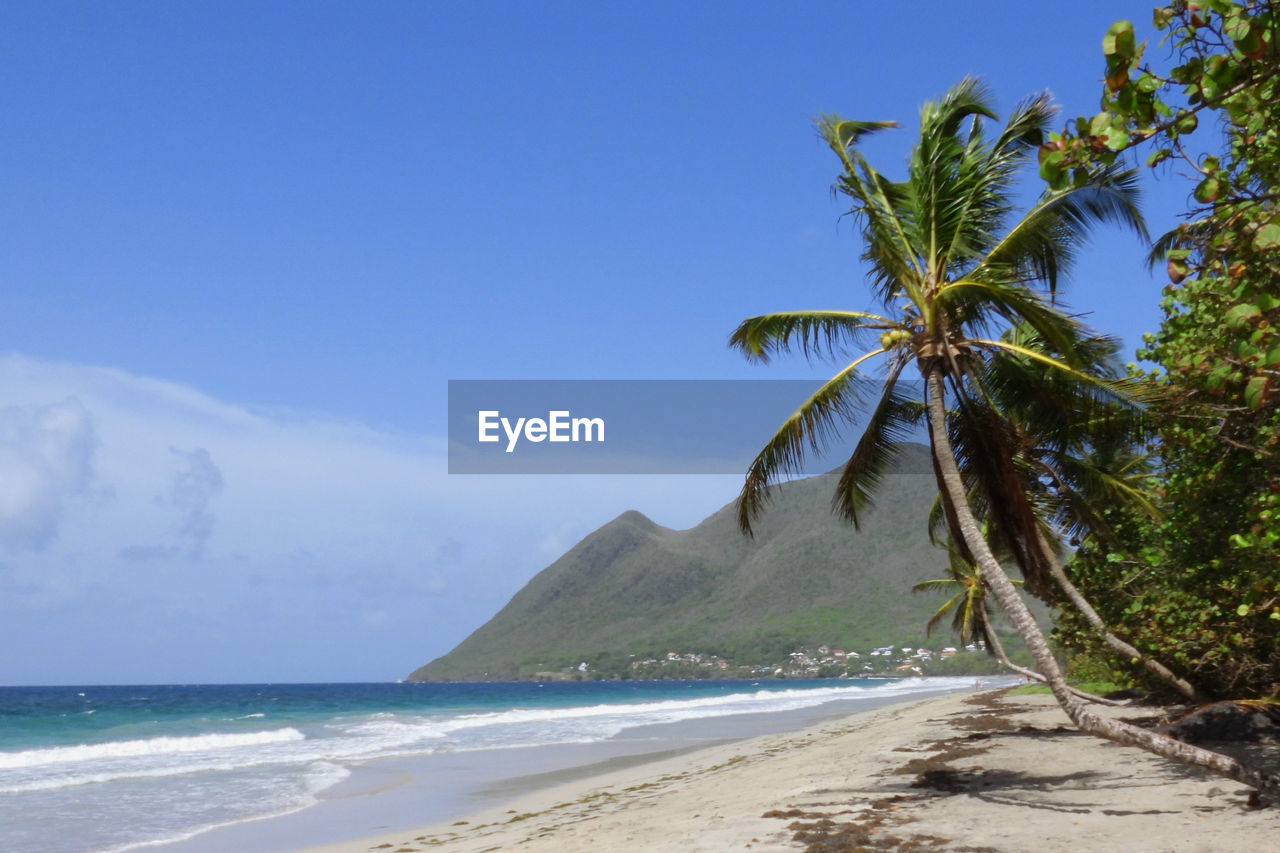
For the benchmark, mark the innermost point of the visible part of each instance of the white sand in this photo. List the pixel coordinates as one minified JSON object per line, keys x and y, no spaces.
{"x":1006,"y":774}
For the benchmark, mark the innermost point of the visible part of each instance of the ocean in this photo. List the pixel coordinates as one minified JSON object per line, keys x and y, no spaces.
{"x":121,"y":768}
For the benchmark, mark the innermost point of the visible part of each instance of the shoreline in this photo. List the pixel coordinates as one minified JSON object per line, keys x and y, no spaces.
{"x":399,"y":793}
{"x":972,"y":771}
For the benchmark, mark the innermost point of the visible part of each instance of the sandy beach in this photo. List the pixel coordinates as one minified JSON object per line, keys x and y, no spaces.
{"x":976,"y":772}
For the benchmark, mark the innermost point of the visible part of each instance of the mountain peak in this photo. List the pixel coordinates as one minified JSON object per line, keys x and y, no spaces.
{"x":633,"y":589}
{"x":636,"y":518}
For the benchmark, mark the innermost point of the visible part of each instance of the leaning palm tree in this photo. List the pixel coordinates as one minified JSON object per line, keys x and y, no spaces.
{"x":952,"y":269}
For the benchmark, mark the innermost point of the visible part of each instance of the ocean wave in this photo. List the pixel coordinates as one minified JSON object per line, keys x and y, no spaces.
{"x":757,"y":701}
{"x":158,"y":746}
{"x":519,"y":727}
{"x":384,"y":734}
{"x":318,"y":777}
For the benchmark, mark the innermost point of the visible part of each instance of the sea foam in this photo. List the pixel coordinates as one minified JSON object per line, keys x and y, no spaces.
{"x":157,"y":746}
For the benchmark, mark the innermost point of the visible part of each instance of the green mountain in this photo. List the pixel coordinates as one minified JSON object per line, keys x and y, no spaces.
{"x":634,"y":588}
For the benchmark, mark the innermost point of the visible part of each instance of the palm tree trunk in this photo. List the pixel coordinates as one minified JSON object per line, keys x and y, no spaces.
{"x":1116,"y":644}
{"x":1003,"y":588}
{"x":993,"y":643}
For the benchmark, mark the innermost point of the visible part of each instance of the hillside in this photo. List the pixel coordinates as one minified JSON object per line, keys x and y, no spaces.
{"x":635,"y":588}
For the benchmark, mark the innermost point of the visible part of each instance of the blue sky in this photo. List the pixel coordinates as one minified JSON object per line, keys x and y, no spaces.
{"x":246,"y":245}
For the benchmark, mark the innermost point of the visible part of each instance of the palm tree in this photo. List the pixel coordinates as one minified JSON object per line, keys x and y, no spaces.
{"x":967,"y":605}
{"x":952,"y":272}
{"x":1029,"y":470}
{"x":971,"y":618}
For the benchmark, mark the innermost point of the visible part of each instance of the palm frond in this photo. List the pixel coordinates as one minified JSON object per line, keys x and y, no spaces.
{"x":936,"y":583}
{"x":1195,"y":233}
{"x":955,"y":601}
{"x":973,"y":201}
{"x":1085,"y":378}
{"x":937,"y":524}
{"x":944,"y":117}
{"x":844,"y":134}
{"x":1091,"y":485}
{"x":1025,"y":127}
{"x":877,"y":202}
{"x":1042,"y":244}
{"x":812,"y":332}
{"x":811,"y":425}
{"x":980,"y":303}
{"x":945,"y":173}
{"x":990,"y":448}
{"x":879,"y":447}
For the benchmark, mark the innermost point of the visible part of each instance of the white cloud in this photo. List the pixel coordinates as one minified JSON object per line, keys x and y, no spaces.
{"x":233,"y":530}
{"x":46,"y":465}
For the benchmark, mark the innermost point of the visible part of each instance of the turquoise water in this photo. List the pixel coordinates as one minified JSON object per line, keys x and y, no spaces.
{"x":116,"y":768}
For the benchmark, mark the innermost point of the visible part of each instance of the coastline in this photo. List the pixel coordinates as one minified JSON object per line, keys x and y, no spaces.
{"x":398,"y":793}
{"x":976,"y":771}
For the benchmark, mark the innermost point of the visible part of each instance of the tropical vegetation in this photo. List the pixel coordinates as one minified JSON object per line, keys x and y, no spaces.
{"x":968,"y":293}
{"x":1200,"y":587}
